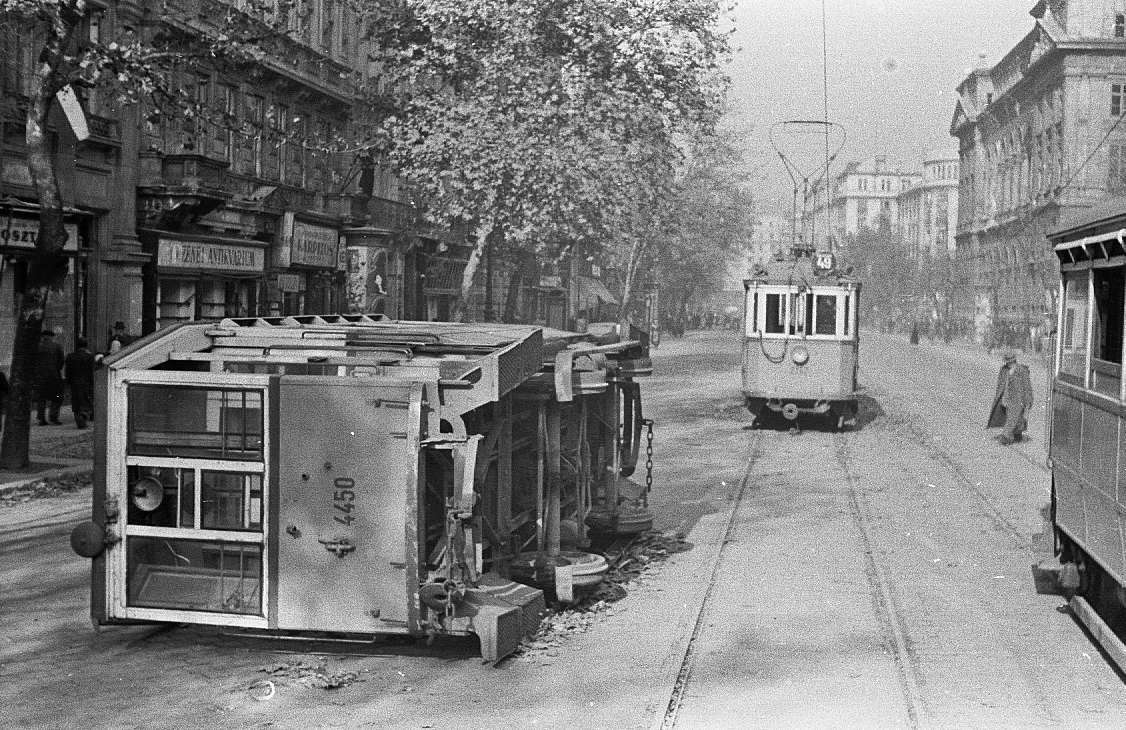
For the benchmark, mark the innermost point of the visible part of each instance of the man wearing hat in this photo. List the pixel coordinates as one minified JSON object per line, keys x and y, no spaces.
{"x":1012,"y":401}
{"x":49,"y":378}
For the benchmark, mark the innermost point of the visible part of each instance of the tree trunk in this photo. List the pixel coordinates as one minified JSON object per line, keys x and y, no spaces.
{"x":47,"y":265}
{"x":461,"y":306}
{"x":636,"y":252}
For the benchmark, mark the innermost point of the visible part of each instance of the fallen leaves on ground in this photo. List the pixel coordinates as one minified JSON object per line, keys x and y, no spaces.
{"x":47,"y":488}
{"x":313,"y":674}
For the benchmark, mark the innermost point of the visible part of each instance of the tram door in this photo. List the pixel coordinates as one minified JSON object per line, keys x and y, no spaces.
{"x":347,"y":472}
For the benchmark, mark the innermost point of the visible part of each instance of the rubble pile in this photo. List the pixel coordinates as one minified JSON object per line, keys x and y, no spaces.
{"x":46,"y":488}
{"x":313,"y":674}
{"x":631,"y":566}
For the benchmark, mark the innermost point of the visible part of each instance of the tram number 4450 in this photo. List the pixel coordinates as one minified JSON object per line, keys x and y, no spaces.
{"x":344,"y":499}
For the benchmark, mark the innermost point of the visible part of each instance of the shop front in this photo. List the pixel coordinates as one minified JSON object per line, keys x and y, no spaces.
{"x":202,"y":277}
{"x":307,"y":265}
{"x":19,"y":231}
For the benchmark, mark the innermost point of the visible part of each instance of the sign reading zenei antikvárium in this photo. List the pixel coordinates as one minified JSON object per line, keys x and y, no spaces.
{"x":209,"y":256}
{"x":313,"y":245}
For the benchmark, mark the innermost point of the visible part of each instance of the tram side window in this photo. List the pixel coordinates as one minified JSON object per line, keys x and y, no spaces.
{"x":1073,"y":340}
{"x":1106,"y":339}
{"x":775,"y":323}
{"x":826,"y":323}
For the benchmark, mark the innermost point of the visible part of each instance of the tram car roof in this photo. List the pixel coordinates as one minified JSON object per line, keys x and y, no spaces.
{"x":791,"y":270}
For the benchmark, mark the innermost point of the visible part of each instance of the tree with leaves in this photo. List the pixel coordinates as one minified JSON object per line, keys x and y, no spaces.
{"x":707,"y":226}
{"x":547,"y":123}
{"x":141,"y":65}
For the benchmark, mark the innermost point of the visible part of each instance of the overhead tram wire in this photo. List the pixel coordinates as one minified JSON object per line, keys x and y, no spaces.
{"x":825,"y":92}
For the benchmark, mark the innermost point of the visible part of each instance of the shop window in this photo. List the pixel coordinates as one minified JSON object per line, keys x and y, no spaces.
{"x":1073,"y":340}
{"x":201,"y":423}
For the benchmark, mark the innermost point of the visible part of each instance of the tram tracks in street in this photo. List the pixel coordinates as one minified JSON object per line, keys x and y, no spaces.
{"x":888,"y":612}
{"x":667,"y":719}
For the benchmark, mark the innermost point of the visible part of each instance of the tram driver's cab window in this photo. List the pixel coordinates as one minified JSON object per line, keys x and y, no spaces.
{"x":775,"y":321}
{"x":1073,"y":336}
{"x":826,"y":320}
{"x":1106,"y":335}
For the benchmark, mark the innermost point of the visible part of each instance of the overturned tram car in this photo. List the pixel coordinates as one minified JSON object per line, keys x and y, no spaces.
{"x":359,"y":476}
{"x":800,"y":339}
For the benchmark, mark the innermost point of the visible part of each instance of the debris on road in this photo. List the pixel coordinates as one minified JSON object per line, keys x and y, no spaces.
{"x":46,"y":488}
{"x":633,"y":566}
{"x":312,"y":674}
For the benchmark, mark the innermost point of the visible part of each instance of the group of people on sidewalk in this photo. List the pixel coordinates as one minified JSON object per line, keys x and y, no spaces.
{"x":55,"y":373}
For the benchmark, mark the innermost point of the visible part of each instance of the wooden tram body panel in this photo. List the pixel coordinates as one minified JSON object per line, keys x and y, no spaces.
{"x":350,"y":474}
{"x":800,"y":339}
{"x":1086,"y":433}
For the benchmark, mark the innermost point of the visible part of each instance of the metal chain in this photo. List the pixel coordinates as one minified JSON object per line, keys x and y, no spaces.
{"x":648,"y":455}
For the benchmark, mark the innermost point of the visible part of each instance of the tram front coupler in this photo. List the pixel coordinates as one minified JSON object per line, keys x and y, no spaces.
{"x":791,"y":409}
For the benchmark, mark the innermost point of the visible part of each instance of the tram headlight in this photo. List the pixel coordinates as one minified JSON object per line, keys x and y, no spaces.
{"x":800,"y":356}
{"x":147,"y":493}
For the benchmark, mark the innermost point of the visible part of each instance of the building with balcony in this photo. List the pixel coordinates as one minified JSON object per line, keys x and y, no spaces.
{"x":1040,"y":138}
{"x":261,"y":204}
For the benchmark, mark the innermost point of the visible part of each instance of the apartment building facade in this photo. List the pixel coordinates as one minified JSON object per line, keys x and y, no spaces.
{"x":928,"y":209}
{"x":1040,"y":140}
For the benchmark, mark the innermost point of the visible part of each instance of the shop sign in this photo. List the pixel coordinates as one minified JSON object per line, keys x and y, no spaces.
{"x":24,"y":232}
{"x":289,"y":282}
{"x":311,"y":245}
{"x":212,"y":256}
{"x":551,"y":281}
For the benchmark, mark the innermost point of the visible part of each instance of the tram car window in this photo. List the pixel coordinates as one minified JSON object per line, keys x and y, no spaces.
{"x":1073,"y":340}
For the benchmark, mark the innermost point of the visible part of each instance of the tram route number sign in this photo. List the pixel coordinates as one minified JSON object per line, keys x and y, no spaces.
{"x":343,"y":500}
{"x":824,"y":261}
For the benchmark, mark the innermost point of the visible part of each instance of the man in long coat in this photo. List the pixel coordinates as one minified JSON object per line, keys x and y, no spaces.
{"x":1012,"y":401}
{"x":78,"y":371}
{"x":49,"y":378}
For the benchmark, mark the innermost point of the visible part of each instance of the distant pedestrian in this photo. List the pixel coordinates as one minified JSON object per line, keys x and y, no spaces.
{"x":3,"y":397}
{"x":49,"y":378}
{"x":78,"y":370}
{"x":119,"y":338}
{"x":1012,"y":401}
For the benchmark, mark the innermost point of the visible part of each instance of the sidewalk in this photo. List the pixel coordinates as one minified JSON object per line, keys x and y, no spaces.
{"x":56,"y":451}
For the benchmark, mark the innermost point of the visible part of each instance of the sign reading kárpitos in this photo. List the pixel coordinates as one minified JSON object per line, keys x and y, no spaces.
{"x":212,"y":256}
{"x":313,"y":245}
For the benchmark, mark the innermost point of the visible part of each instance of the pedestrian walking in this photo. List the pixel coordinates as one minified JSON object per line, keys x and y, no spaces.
{"x":3,"y":397}
{"x":78,"y":371}
{"x":49,"y":378}
{"x":1012,"y":400}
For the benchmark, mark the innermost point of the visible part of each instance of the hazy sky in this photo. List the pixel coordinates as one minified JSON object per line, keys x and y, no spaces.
{"x":892,"y":69}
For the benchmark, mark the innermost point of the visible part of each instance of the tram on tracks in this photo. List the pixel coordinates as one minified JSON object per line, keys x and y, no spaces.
{"x":800,"y":339}
{"x":1087,"y":443}
{"x":343,"y":476}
